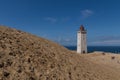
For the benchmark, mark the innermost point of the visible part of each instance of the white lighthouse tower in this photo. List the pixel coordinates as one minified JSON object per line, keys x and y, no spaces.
{"x":81,"y":40}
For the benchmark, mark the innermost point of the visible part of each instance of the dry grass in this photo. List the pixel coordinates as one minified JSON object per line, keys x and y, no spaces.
{"x":27,"y":57}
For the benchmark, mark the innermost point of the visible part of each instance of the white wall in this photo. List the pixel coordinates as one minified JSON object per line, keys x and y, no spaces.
{"x":81,"y":42}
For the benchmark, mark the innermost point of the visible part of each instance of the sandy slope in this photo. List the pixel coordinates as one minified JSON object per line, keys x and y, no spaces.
{"x":110,"y":60}
{"x":27,"y":57}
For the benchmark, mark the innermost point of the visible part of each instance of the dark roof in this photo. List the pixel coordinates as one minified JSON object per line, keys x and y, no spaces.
{"x":82,"y":28}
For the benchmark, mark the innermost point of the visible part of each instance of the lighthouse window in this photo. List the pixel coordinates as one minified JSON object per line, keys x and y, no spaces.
{"x":83,"y":51}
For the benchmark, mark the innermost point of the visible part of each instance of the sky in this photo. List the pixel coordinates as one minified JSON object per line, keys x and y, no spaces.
{"x":59,"y":20}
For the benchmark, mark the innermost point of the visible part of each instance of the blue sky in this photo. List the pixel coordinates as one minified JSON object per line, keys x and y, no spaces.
{"x":59,"y":20}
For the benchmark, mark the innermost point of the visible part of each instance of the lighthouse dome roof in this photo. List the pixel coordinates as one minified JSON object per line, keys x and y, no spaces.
{"x":82,"y":28}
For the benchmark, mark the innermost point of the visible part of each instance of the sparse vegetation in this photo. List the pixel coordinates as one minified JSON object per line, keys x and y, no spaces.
{"x":103,"y":53}
{"x":6,"y":74}
{"x":113,"y":57}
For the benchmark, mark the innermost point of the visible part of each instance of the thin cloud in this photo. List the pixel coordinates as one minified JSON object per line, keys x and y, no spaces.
{"x":86,"y":13}
{"x":51,"y":19}
{"x":65,"y":41}
{"x":108,"y":40}
{"x":54,"y":20}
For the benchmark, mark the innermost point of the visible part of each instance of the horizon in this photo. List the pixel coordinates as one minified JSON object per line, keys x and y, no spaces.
{"x":59,"y":20}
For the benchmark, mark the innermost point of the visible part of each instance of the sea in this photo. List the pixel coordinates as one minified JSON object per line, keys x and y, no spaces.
{"x":111,"y":49}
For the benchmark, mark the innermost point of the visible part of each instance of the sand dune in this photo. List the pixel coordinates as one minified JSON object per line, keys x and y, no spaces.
{"x":24,"y":56}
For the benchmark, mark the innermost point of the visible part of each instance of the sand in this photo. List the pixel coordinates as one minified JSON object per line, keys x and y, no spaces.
{"x":111,"y":60}
{"x":24,"y":56}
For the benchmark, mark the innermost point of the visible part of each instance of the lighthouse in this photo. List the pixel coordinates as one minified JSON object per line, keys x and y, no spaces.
{"x":81,"y":40}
